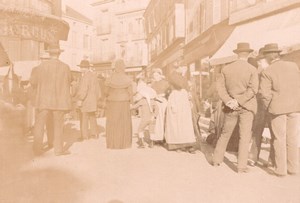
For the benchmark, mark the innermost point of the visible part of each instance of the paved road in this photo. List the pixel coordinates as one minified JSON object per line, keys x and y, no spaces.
{"x":93,"y":173}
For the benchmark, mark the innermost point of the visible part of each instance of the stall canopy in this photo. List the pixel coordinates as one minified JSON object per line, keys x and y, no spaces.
{"x":282,"y":28}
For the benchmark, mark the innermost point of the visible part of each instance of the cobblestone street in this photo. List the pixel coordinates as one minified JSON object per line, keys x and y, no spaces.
{"x":93,"y":173}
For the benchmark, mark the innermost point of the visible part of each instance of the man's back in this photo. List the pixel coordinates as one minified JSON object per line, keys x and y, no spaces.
{"x":53,"y":79}
{"x":284,"y":94}
{"x":241,"y":83}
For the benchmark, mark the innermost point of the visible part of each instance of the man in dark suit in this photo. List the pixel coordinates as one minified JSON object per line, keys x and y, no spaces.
{"x":280,"y":91}
{"x":237,"y":87}
{"x":52,"y":79}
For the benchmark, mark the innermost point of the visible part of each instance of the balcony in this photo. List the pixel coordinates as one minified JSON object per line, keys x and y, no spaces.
{"x":131,"y":6}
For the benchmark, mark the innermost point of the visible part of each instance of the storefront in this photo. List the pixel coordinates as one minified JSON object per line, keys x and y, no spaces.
{"x":26,"y":31}
{"x":197,"y":53}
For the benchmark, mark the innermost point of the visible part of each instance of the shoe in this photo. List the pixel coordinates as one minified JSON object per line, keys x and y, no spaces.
{"x":292,"y":173}
{"x":279,"y":175}
{"x":38,"y":152}
{"x":66,"y":152}
{"x":151,"y":144}
{"x":141,"y":143}
{"x":243,"y":170}
{"x":252,"y":163}
{"x":268,"y":164}
{"x":192,"y":150}
{"x":178,"y":150}
{"x":93,"y":136}
{"x":216,"y":164}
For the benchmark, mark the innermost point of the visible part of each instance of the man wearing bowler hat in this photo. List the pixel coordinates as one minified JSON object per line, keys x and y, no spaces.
{"x":52,"y":81}
{"x":87,"y":98}
{"x":280,"y":91}
{"x":49,"y":123}
{"x":261,"y":118}
{"x":237,"y":87}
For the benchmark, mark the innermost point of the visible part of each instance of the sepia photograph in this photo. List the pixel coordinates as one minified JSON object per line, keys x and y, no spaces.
{"x":149,"y":101}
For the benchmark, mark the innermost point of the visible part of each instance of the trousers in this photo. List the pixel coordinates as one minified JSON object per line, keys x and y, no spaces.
{"x":56,"y":118}
{"x":88,"y":121}
{"x":285,"y":129}
{"x":244,"y":119}
{"x":261,"y":118}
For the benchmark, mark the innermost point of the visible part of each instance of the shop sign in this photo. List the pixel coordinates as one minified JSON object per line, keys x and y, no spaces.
{"x":29,"y":31}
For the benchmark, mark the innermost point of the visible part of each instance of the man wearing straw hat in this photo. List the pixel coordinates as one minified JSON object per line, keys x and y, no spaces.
{"x":280,"y":91}
{"x":52,"y":81}
{"x":237,"y":87}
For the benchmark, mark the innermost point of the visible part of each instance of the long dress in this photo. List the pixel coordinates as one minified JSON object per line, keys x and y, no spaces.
{"x":179,"y":125}
{"x":118,"y":115}
{"x":161,"y":88}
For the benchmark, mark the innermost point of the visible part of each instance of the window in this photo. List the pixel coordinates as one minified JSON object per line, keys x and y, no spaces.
{"x":86,"y":41}
{"x":74,"y":39}
{"x":74,"y":60}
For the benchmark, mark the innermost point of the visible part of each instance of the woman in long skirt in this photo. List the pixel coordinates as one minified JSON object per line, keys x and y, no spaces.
{"x":179,"y":125}
{"x":118,"y":116}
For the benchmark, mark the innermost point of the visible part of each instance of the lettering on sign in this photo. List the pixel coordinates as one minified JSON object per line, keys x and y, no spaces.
{"x":27,"y":31}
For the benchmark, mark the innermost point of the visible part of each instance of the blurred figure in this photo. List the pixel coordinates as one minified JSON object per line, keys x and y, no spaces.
{"x":87,"y":97}
{"x":52,"y":79}
{"x":32,"y":98}
{"x":237,"y":87}
{"x":280,"y":91}
{"x":161,"y":86}
{"x":118,"y":117}
{"x":179,"y":132}
{"x":148,"y":112}
{"x":260,"y":119}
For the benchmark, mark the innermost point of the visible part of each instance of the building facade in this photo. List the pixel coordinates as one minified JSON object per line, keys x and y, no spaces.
{"x":165,"y":31}
{"x":120,"y":33}
{"x":80,"y":40}
{"x":196,"y":31}
{"x":27,"y":27}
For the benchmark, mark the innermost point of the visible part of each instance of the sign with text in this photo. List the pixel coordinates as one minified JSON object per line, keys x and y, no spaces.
{"x":29,"y":31}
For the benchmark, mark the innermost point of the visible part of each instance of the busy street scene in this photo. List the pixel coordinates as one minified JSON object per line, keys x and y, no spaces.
{"x":149,"y":101}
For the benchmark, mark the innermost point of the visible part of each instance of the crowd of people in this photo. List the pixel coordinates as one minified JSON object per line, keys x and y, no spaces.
{"x":251,"y":92}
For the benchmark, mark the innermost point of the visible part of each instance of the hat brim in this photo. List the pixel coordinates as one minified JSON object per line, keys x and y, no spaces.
{"x":260,"y":56}
{"x":272,"y":50}
{"x":85,"y":66}
{"x":242,"y":50}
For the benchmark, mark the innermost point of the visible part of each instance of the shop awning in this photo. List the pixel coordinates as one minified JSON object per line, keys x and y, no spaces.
{"x":282,"y":28}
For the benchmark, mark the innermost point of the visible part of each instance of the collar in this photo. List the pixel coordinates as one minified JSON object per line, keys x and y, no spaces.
{"x":242,"y":59}
{"x":275,"y":60}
